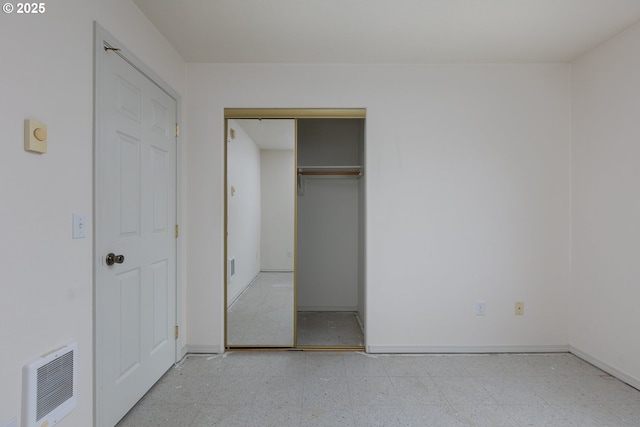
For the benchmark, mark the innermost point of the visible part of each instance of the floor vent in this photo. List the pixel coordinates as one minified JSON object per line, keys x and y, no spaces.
{"x":49,"y":387}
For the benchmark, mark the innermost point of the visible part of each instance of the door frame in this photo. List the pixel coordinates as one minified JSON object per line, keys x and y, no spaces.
{"x":279,"y":113}
{"x":103,"y":39}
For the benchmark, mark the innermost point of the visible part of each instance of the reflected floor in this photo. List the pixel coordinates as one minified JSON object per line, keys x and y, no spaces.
{"x":263,"y":316}
{"x":263,"y":313}
{"x":329,"y":328}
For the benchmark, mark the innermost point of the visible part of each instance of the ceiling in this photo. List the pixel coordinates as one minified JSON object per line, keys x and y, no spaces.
{"x":270,"y":134}
{"x":387,"y":31}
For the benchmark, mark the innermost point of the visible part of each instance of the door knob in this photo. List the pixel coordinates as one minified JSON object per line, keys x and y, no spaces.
{"x":114,"y":259}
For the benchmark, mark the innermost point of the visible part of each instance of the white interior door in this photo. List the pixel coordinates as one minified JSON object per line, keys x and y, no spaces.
{"x":135,"y":218}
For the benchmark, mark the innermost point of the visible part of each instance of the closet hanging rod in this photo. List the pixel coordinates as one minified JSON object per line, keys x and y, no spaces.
{"x":329,"y":167}
{"x":329,"y":173}
{"x":347,"y":167}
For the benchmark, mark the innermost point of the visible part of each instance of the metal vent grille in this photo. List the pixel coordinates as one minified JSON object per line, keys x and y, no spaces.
{"x":55,"y":384}
{"x":50,"y":387}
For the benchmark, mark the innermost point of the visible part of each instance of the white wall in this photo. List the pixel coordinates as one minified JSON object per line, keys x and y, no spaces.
{"x":244,"y":211}
{"x":605,"y":287}
{"x":277,"y":169}
{"x":46,"y":290}
{"x":467,"y":195}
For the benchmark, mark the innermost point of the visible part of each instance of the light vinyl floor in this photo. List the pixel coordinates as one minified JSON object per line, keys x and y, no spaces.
{"x":329,"y":328}
{"x":295,"y":388}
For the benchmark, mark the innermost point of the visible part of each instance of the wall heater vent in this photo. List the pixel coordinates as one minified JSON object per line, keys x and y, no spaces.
{"x":49,"y":390}
{"x":231,"y":268}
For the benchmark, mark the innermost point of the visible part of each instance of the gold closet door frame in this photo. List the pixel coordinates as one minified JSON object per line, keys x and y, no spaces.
{"x":279,"y":113}
{"x":295,"y":113}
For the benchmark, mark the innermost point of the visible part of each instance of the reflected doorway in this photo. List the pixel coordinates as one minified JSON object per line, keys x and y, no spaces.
{"x":260,"y":232}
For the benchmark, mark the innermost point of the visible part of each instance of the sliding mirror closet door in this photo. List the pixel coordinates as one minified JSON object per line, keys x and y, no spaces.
{"x":260,"y":232}
{"x":330,"y":233}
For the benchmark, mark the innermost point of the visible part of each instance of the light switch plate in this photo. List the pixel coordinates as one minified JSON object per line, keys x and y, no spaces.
{"x":79,"y":225}
{"x":35,"y":136}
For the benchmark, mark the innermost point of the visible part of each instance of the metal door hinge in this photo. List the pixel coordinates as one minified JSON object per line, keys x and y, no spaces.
{"x":177,"y":231}
{"x":177,"y":334}
{"x":177,"y":130}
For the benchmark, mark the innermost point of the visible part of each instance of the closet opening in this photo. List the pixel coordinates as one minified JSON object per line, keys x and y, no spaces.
{"x":295,"y":228}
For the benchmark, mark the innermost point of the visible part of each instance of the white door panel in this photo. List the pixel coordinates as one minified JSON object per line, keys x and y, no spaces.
{"x":135,"y":217}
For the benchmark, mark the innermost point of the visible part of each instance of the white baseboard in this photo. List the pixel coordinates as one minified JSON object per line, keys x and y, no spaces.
{"x":469,"y":349}
{"x":13,"y":422}
{"x":205,"y":349}
{"x":633,"y":382}
{"x":183,"y":352}
{"x":325,"y":308}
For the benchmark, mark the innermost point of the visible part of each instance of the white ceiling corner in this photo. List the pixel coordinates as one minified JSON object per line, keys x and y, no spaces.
{"x":385,"y":31}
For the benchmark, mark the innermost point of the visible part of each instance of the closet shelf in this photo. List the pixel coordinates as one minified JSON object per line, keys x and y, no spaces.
{"x":326,"y":172}
{"x":329,"y":171}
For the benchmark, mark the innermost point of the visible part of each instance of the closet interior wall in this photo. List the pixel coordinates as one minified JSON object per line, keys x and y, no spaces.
{"x":330,"y":215}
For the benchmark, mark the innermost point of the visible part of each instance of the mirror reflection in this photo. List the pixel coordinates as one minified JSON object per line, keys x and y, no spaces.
{"x":260,"y":232}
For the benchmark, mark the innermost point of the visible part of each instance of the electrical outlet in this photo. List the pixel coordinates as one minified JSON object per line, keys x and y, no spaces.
{"x":79,"y":225}
{"x":519,"y":308}
{"x":481,"y":308}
